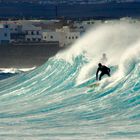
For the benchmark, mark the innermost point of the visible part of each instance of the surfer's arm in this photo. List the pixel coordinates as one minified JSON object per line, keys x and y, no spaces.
{"x":109,"y":70}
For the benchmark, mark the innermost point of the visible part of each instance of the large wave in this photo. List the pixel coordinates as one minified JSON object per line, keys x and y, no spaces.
{"x":55,"y":102}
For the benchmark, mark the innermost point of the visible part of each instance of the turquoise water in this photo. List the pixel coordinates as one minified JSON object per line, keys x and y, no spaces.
{"x":54,"y":102}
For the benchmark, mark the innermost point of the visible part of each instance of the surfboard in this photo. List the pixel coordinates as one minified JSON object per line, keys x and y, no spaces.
{"x":93,"y":85}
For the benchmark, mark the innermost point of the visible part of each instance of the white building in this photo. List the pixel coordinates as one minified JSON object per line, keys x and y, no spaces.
{"x":4,"y":34}
{"x":32,"y":33}
{"x":15,"y":27}
{"x":71,"y":37}
{"x":16,"y":31}
{"x":52,"y":36}
{"x":64,"y":36}
{"x":85,"y":25}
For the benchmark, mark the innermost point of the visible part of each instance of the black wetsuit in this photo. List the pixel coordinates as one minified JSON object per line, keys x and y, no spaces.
{"x":104,"y":70}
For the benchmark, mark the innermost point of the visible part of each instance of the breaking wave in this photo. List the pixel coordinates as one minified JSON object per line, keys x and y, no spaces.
{"x":54,"y":101}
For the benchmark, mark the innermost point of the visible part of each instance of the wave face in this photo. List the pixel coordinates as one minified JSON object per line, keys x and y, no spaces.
{"x":54,"y":101}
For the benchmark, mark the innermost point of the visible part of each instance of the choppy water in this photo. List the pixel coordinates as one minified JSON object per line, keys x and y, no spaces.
{"x":53,"y":101}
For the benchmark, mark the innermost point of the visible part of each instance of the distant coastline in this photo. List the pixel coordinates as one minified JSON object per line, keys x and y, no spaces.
{"x":76,"y":11}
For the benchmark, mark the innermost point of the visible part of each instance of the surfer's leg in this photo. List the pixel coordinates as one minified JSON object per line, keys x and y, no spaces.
{"x":108,"y":74}
{"x":101,"y":76}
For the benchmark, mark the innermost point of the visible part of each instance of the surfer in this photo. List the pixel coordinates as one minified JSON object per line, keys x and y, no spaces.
{"x":104,"y":70}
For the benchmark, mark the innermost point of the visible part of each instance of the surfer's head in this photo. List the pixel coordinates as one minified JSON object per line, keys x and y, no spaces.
{"x":100,"y":65}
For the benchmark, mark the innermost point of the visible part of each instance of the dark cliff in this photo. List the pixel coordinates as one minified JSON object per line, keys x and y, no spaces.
{"x":27,"y":54}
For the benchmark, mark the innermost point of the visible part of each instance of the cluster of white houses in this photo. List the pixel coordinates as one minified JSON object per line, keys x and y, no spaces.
{"x":25,"y":31}
{"x":65,"y":36}
{"x":14,"y":32}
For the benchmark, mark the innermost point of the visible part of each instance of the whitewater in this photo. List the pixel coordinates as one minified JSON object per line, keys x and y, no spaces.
{"x":54,"y":102}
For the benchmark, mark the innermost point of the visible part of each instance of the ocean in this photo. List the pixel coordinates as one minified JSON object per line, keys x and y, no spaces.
{"x":55,"y":102}
{"x":69,"y":11}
